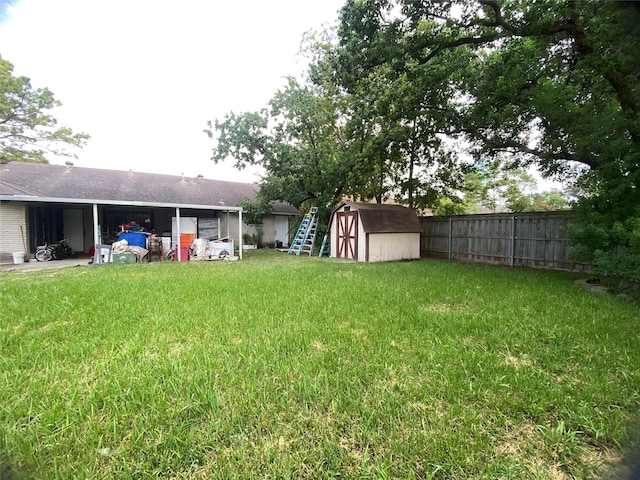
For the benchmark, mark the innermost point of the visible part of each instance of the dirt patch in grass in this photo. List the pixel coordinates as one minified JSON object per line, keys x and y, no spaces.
{"x":318,"y":346}
{"x":439,"y":307}
{"x":528,"y":445}
{"x":517,"y":362}
{"x":525,"y":445}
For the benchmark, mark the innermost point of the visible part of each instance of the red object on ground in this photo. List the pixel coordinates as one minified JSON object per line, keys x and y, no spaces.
{"x":184,"y":254}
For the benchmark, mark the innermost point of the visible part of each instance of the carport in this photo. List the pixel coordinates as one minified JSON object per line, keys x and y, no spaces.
{"x":96,"y":206}
{"x":44,"y":203}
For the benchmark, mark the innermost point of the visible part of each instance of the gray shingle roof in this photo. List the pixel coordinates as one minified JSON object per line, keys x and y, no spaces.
{"x":60,"y":181}
{"x":386,"y":218}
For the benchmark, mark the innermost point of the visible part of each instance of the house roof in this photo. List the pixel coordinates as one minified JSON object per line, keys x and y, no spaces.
{"x":45,"y":181}
{"x":385,"y":218}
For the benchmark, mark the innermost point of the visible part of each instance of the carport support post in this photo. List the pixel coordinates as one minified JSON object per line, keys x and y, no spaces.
{"x":96,"y":232}
{"x":239,"y":233}
{"x":179,"y":253}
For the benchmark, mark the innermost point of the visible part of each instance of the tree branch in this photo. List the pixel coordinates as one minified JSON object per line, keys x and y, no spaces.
{"x":459,"y":42}
{"x":563,"y":155}
{"x":496,"y":6}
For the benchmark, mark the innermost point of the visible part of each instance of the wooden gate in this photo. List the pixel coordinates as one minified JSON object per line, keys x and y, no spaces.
{"x":347,"y":235}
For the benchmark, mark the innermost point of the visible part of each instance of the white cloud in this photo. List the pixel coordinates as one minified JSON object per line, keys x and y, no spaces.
{"x":143,"y":77}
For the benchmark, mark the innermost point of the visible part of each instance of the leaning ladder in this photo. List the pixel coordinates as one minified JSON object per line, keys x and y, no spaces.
{"x":325,"y":244}
{"x":306,"y":235}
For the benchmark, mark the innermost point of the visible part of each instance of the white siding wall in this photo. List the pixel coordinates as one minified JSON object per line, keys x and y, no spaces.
{"x":333,"y":236}
{"x":393,"y":246}
{"x":362,"y":241}
{"x":229,"y":225}
{"x":12,"y":215}
{"x":268,"y":230}
{"x":333,"y":242}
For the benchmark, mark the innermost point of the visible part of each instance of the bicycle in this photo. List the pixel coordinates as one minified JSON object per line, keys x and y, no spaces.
{"x":54,"y":251}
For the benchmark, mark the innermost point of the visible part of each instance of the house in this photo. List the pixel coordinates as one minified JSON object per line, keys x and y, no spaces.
{"x":87,"y":206}
{"x":371,"y":232}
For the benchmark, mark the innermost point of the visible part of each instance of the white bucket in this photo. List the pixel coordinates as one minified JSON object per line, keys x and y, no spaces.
{"x":18,"y":257}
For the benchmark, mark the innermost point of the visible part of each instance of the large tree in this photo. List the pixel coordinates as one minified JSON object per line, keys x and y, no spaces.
{"x":496,"y":188}
{"x":27,"y":131}
{"x":555,"y":84}
{"x":551,"y":83}
{"x":316,"y":144}
{"x":320,"y":142}
{"x":297,"y":139}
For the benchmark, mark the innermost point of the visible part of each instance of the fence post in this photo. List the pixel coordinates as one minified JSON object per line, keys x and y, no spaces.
{"x":513,"y":240}
{"x":450,"y":241}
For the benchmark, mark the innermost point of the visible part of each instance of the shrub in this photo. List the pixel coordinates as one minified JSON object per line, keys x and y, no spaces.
{"x":612,"y":247}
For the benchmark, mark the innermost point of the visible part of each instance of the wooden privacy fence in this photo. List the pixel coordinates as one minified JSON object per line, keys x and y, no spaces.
{"x":536,"y":239}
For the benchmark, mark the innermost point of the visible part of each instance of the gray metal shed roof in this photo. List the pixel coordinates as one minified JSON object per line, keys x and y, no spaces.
{"x":50,"y":182}
{"x":385,"y":218}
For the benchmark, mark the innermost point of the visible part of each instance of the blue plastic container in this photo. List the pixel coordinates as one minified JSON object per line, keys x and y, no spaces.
{"x":134,"y":239}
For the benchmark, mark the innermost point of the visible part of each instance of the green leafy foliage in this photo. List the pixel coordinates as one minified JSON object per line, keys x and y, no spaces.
{"x":406,"y":87}
{"x":27,"y":132}
{"x":626,"y":267}
{"x":613,"y":247}
{"x":319,"y":141}
{"x":496,"y":187}
{"x":297,"y":140}
{"x":253,"y":212}
{"x":546,"y":83}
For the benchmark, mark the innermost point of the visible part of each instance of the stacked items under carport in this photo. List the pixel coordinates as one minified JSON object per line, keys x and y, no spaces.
{"x":203,"y":249}
{"x":130,"y":248}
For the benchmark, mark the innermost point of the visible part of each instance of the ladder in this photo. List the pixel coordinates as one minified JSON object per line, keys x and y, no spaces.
{"x":306,"y":235}
{"x":324,"y":246}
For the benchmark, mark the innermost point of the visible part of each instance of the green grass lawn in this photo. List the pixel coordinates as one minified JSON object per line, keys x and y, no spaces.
{"x":295,"y":367}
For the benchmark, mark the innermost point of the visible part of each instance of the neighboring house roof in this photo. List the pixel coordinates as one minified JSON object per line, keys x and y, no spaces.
{"x":68,"y":182}
{"x":385,"y":218}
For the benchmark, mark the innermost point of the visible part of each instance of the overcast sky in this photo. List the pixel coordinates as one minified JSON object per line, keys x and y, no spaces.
{"x":142,"y":77}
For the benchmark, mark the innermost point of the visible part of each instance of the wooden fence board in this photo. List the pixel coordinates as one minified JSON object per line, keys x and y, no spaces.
{"x":536,"y":239}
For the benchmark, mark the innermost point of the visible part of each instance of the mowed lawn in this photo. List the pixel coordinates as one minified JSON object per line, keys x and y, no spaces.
{"x":295,"y":367}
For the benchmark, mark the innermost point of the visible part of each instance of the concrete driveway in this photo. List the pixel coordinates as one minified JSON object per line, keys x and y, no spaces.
{"x":33,"y":265}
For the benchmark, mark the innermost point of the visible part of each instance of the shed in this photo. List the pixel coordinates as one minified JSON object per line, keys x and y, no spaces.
{"x":371,"y":232}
